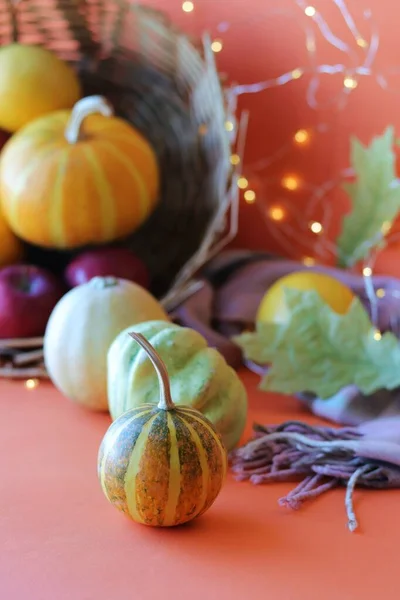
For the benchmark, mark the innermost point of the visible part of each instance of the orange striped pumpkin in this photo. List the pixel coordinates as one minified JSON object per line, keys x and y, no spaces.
{"x":161,"y":465}
{"x":79,"y":177}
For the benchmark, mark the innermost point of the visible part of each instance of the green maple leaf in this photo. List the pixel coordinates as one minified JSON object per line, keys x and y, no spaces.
{"x":375,"y":198}
{"x":319,"y":351}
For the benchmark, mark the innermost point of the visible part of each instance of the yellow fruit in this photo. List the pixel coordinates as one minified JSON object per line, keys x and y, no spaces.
{"x":273,"y":306}
{"x":33,"y":82}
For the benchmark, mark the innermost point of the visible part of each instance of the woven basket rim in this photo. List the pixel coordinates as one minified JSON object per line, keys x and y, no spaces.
{"x":223,"y":227}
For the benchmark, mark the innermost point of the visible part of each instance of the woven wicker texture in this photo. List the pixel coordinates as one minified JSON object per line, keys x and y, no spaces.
{"x":168,"y":87}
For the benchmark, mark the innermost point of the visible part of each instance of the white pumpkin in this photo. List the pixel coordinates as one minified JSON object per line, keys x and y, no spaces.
{"x":81,"y":328}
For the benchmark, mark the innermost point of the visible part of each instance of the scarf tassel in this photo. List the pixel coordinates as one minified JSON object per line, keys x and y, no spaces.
{"x":322,"y":458}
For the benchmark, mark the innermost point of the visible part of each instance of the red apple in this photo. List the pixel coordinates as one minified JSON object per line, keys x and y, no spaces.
{"x":28,"y":295}
{"x":103,"y":262}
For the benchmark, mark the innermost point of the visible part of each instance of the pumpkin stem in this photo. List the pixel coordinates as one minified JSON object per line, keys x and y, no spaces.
{"x":165,"y":402}
{"x":82,"y":109}
{"x":100,"y":282}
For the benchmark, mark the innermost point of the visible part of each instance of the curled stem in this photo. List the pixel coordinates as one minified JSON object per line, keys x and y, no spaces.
{"x":165,"y":402}
{"x":82,"y":109}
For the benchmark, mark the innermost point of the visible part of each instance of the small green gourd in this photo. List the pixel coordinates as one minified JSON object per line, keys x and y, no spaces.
{"x":199,"y":376}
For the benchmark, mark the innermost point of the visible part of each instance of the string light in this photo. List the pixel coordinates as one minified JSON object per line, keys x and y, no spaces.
{"x":250,"y":196}
{"x":217,"y":46}
{"x":235,"y":159}
{"x":350,"y":83}
{"x":301,"y":136}
{"x":31,"y":384}
{"x":365,"y":67}
{"x":316,"y":227}
{"x":229,"y":126}
{"x":362,"y":54}
{"x":308,"y":261}
{"x":290,"y":182}
{"x":276,"y":213}
{"x":367,"y":271}
{"x":380,"y":293}
{"x":188,"y":7}
{"x":296,"y":73}
{"x":243,"y":183}
{"x":377,"y":335}
{"x":310,"y":11}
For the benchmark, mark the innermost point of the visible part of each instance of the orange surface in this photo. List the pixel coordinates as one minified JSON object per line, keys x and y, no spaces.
{"x":61,"y":540}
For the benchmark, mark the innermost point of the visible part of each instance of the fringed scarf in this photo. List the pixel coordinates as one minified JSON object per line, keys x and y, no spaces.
{"x":322,"y":458}
{"x":365,"y":453}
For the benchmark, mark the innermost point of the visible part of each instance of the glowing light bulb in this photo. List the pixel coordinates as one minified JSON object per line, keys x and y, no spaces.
{"x":297,"y":73}
{"x":377,"y":335}
{"x":310,"y":11}
{"x":243,"y":183}
{"x":276,"y":213}
{"x":362,"y":43}
{"x":217,"y":46}
{"x":316,"y":227}
{"x":188,"y":7}
{"x":380,"y":293}
{"x":301,"y":136}
{"x":229,"y":126}
{"x":250,"y":196}
{"x":31,"y":384}
{"x":350,"y":83}
{"x":235,"y":159}
{"x":367,"y":271}
{"x":309,"y":261}
{"x":290,"y":182}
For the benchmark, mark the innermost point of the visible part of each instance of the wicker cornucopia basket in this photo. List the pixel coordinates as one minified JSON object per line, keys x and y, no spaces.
{"x":168,"y":87}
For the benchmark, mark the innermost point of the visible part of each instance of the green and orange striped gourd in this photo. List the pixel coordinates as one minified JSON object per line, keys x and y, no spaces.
{"x":72,"y":178}
{"x":161,"y":465}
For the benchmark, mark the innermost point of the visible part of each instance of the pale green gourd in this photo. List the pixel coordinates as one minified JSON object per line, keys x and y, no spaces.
{"x":199,"y":376}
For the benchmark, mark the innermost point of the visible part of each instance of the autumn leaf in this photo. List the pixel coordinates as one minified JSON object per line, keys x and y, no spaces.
{"x":319,"y":351}
{"x":375,"y":199}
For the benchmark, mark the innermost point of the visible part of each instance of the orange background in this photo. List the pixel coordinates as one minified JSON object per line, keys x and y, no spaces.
{"x":265,"y":39}
{"x":61,"y":540}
